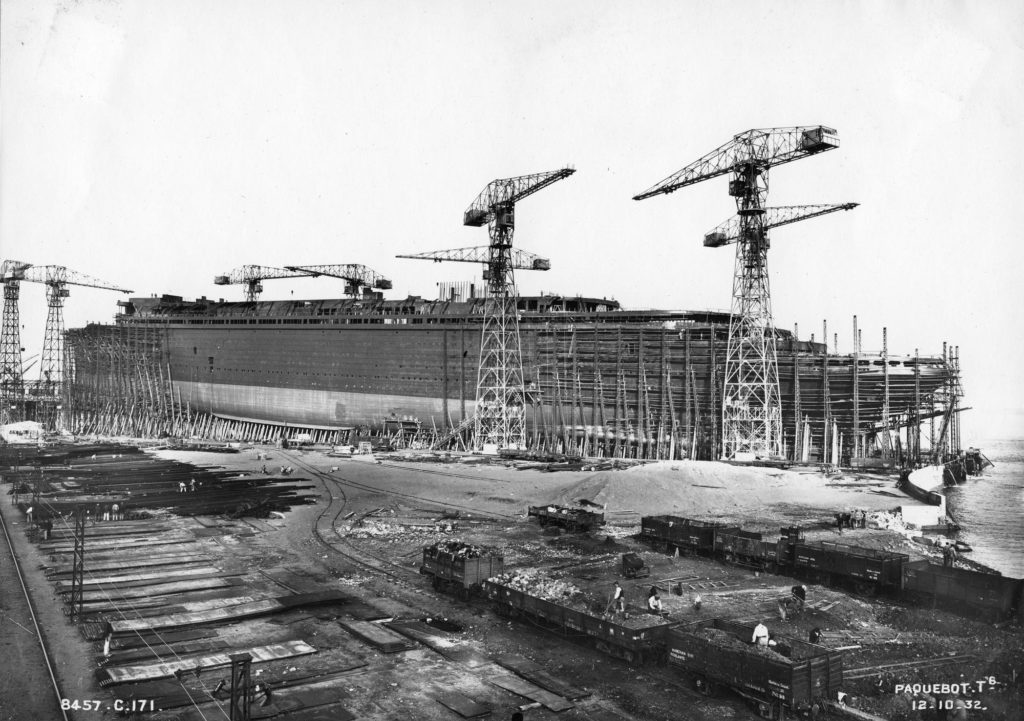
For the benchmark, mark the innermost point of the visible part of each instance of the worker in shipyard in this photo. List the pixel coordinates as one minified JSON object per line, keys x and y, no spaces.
{"x":949,"y":556}
{"x":192,"y":484}
{"x":181,"y":486}
{"x":760,"y":637}
{"x":618,"y":599}
{"x":799,"y":597}
{"x":654,"y":604}
{"x":696,"y":602}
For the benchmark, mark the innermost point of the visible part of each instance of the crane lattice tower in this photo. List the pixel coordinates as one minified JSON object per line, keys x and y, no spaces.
{"x":499,"y":419}
{"x":48,"y":391}
{"x":12,"y":383}
{"x":751,"y":402}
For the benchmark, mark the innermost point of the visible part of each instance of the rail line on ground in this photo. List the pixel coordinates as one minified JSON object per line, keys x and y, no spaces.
{"x":442,"y":504}
{"x":35,"y":621}
{"x":324,"y":529}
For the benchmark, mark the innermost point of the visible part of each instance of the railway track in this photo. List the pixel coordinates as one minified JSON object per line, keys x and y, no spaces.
{"x":867,"y":671}
{"x":398,"y":494}
{"x":325,"y":528}
{"x":14,"y":602}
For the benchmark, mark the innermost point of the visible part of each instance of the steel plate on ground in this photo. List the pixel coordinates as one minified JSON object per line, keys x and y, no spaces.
{"x":533,"y":692}
{"x":376,"y":635}
{"x":260,"y":654}
{"x":464,"y":706}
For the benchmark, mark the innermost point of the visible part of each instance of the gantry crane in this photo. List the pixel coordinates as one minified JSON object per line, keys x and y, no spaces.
{"x":499,"y":420}
{"x":12,"y":379}
{"x":48,"y":391}
{"x":358,"y":276}
{"x":751,"y":404}
{"x":252,"y":277}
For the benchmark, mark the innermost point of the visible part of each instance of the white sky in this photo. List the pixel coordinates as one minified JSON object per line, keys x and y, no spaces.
{"x":157,"y":143}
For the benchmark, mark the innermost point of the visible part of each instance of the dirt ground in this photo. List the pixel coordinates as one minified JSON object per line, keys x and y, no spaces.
{"x":374,"y":515}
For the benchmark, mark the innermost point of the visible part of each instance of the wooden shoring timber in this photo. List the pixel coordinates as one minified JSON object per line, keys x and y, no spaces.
{"x":147,"y":672}
{"x":687,"y":399}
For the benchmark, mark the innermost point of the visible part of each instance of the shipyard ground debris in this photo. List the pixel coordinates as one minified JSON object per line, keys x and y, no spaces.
{"x":350,"y":624}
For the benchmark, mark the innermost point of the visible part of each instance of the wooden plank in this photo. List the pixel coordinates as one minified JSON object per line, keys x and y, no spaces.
{"x":464,"y":706}
{"x":260,"y":654}
{"x":531,"y":691}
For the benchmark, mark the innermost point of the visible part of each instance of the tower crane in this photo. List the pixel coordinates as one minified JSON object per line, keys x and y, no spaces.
{"x":50,"y":387}
{"x":252,"y":277}
{"x":499,"y":420}
{"x":358,"y":276}
{"x":12,"y":383}
{"x":751,"y":404}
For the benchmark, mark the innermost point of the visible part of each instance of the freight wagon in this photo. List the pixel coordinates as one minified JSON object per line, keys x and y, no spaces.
{"x":571,"y":519}
{"x":868,"y":569}
{"x":687,"y":535}
{"x":639,"y":639}
{"x":793,"y":675}
{"x":985,"y":595}
{"x":459,"y":568}
{"x":750,"y":549}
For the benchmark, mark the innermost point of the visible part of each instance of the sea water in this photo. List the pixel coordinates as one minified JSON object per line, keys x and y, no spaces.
{"x":990,"y":509}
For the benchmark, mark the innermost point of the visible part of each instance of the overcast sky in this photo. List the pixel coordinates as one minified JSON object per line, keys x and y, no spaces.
{"x":157,"y":143}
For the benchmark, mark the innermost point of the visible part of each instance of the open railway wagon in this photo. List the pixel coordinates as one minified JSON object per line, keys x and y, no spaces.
{"x":639,"y":638}
{"x":868,"y":569}
{"x":988,"y":596}
{"x":752,"y":550}
{"x":792,"y":676}
{"x":687,"y":535}
{"x":460,"y":568}
{"x":571,"y":519}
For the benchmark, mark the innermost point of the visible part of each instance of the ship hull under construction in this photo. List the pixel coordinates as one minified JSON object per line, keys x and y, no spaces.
{"x":601,"y":380}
